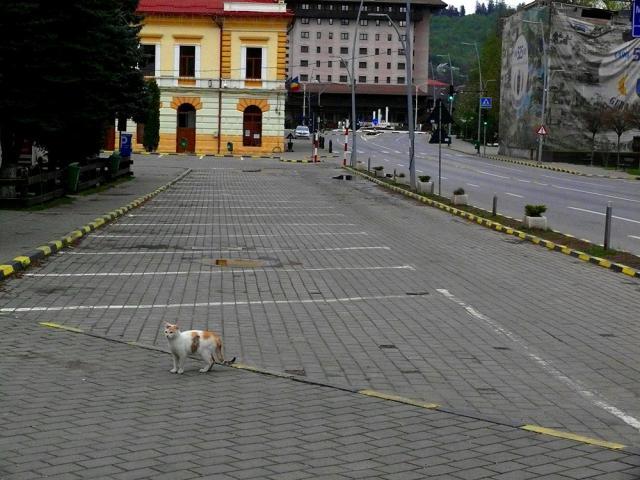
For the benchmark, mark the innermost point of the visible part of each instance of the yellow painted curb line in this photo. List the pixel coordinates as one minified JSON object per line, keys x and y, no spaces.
{"x":6,"y":270}
{"x":61,"y":327}
{"x":23,"y":260}
{"x":571,"y":436}
{"x":45,"y":249}
{"x":399,"y":399}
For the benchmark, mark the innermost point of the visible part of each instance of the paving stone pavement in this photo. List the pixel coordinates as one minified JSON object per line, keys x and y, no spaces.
{"x":76,"y":406}
{"x":349,"y":285}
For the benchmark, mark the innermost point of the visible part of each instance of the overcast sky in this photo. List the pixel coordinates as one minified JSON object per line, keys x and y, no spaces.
{"x":470,"y":5}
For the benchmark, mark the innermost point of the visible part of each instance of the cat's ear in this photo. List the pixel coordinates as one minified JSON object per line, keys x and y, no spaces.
{"x":167,"y":324}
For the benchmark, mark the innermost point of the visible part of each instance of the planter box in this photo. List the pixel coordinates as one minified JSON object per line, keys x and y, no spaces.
{"x":460,"y":199}
{"x":536,"y":222}
{"x":425,"y":187}
{"x":378,"y":173}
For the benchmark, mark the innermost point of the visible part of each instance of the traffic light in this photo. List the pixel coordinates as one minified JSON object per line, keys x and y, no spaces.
{"x":452,"y":92}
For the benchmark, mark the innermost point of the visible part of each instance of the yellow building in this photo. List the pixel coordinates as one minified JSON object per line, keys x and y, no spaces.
{"x":220,"y":66}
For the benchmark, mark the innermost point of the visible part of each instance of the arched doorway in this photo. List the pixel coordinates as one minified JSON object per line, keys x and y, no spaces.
{"x":252,"y":127}
{"x":186,"y":129}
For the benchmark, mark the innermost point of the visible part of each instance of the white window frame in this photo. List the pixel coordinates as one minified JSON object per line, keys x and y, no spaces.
{"x":243,"y":62}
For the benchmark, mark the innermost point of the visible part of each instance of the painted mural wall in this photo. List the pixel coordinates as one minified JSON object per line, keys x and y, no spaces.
{"x":591,"y":61}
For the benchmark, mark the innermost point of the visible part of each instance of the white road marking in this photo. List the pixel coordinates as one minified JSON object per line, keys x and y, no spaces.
{"x":540,"y":183}
{"x":634,"y":236}
{"x":596,"y":193}
{"x":523,"y":181}
{"x":230,"y":224}
{"x":513,"y":194}
{"x":400,"y":164}
{"x":419,"y":171}
{"x":602,"y":214}
{"x":199,"y":304}
{"x":223,"y":207}
{"x":257,"y":235}
{"x":213,"y":251}
{"x":215,"y":272}
{"x":473,"y":185}
{"x":491,"y":174}
{"x":595,"y":398}
{"x":288,"y":214}
{"x":202,"y":156}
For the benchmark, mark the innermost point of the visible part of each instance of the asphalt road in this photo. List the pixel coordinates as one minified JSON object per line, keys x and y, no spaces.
{"x":575,"y":205}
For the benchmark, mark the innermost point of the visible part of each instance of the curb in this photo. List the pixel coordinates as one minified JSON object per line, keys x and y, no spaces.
{"x":297,"y":161}
{"x":378,"y":395}
{"x":601,"y":262}
{"x":22,"y":262}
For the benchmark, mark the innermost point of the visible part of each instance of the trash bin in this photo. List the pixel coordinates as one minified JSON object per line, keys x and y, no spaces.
{"x":114,"y":164}
{"x":73,"y":176}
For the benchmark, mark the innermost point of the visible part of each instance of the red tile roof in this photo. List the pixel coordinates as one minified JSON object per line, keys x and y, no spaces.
{"x":194,"y":7}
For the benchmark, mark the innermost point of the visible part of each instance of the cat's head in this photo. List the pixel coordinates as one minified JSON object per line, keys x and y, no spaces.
{"x":170,"y":330}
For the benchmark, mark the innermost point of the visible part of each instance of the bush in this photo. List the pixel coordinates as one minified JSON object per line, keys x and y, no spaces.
{"x":378,"y":168}
{"x":401,"y":175}
{"x":458,"y":191}
{"x":534,"y":210}
{"x":424,"y":178}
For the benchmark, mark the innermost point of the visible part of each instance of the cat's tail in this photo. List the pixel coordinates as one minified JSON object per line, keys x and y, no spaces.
{"x":220,"y":355}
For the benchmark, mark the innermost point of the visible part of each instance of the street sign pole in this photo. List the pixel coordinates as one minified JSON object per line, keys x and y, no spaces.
{"x":439,"y":147}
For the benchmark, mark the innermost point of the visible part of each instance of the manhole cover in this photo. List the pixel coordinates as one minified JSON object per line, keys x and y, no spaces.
{"x":239,"y":262}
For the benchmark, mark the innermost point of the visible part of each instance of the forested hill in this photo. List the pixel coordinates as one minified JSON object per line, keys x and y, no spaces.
{"x":447,"y":37}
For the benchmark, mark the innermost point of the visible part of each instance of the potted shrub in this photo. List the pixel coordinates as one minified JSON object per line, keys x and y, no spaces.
{"x":378,"y":170}
{"x":533,"y":217}
{"x":460,"y":197}
{"x":425,"y":185}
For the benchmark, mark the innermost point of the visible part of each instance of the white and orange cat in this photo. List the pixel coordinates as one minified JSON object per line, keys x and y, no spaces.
{"x":188,"y":342}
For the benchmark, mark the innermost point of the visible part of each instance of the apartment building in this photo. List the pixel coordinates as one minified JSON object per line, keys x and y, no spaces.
{"x":321,"y":50}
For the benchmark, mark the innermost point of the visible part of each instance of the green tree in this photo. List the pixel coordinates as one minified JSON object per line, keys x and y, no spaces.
{"x":66,"y":71}
{"x":152,"y":122}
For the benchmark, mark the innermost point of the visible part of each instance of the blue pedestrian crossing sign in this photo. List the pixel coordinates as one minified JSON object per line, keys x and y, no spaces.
{"x":635,"y":19}
{"x":485,"y":102}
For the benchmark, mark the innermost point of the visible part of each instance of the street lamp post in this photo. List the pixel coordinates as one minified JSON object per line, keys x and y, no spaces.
{"x":354,"y":127}
{"x":475,"y":45}
{"x":409,"y":66}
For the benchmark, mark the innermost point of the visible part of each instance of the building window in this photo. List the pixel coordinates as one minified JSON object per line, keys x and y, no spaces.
{"x":403,"y":38}
{"x":344,"y":8}
{"x":376,"y":65}
{"x":364,"y":36}
{"x":329,"y":7}
{"x":329,"y":64}
{"x":187,"y":61}
{"x":400,"y":65}
{"x":319,"y":21}
{"x":377,"y":25}
{"x":318,"y":78}
{"x":304,"y":6}
{"x":403,"y":9}
{"x":304,"y":34}
{"x":318,"y":63}
{"x":148,"y":65}
{"x":401,"y":51}
{"x":388,"y":65}
{"x":343,"y":78}
{"x":252,"y":127}
{"x":330,"y":35}
{"x":365,"y":8}
{"x":330,"y":49}
{"x":344,"y":36}
{"x":304,"y":49}
{"x":304,"y":63}
{"x":344,"y":50}
{"x":344,"y":21}
{"x":377,"y":37}
{"x":362,"y":79}
{"x":389,"y":37}
{"x":362,"y":65}
{"x":375,"y":79}
{"x":318,"y":49}
{"x":328,"y":78}
{"x":331,"y":19}
{"x":402,"y":23}
{"x":388,"y":79}
{"x":363,"y":51}
{"x":364,"y":23}
{"x":318,"y":35}
{"x":388,"y":51}
{"x":304,"y":77}
{"x":253,"y":62}
{"x":343,"y":63}
{"x":186,"y":116}
{"x":304,"y":21}
{"x":401,"y":80}
{"x":377,"y":51}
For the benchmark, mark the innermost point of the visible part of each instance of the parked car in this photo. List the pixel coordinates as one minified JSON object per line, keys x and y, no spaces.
{"x":302,"y":131}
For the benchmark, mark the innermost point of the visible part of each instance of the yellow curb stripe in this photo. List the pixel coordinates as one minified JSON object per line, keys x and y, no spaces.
{"x":584,"y":256}
{"x":58,"y":244}
{"x":572,"y":436}
{"x":397,"y":398}
{"x":629,"y":271}
{"x":6,"y":270}
{"x":44,"y":249}
{"x":23,"y":260}
{"x":61,"y":327}
{"x":604,"y":263}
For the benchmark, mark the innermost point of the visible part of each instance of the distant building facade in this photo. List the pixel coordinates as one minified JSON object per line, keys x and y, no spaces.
{"x":320,"y":52}
{"x":221,"y":69}
{"x":592,"y":60}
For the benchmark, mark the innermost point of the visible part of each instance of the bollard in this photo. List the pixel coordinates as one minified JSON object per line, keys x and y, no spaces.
{"x":607,"y":226}
{"x":369,"y":165}
{"x":330,"y":146}
{"x":494,"y":210}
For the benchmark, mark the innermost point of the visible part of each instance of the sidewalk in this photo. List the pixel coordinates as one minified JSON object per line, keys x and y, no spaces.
{"x":342,"y":293}
{"x":492,"y":152}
